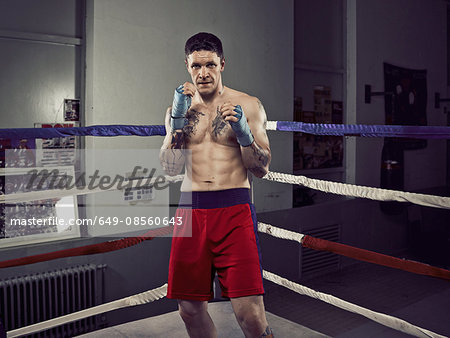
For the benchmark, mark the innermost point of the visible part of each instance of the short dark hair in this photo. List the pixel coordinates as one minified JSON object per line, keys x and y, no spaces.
{"x":203,"y":41}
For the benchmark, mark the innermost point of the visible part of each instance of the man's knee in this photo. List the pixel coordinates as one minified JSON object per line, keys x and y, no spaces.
{"x":249,"y":316}
{"x":252,"y":320}
{"x":189,"y":310}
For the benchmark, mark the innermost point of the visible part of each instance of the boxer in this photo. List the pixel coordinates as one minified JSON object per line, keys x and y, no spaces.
{"x":224,"y":130}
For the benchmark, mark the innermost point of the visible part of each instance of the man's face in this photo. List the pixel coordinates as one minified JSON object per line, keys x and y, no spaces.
{"x":205,"y":69}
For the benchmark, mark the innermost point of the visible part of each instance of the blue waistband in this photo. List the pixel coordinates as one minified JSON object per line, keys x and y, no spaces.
{"x":214,"y":199}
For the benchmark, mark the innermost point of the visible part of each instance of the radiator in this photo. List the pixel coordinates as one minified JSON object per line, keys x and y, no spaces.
{"x":34,"y":298}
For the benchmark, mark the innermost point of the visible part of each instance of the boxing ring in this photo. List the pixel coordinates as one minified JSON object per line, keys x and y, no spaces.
{"x":222,"y":312}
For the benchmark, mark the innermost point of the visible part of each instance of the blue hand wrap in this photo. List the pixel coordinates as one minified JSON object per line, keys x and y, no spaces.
{"x":241,"y":128}
{"x":180,"y":106}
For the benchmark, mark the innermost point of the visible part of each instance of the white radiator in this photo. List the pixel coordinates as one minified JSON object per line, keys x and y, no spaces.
{"x":34,"y":298}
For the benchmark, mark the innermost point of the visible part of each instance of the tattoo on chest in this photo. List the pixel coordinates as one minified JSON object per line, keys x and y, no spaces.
{"x":218,"y":124}
{"x":193,"y":118}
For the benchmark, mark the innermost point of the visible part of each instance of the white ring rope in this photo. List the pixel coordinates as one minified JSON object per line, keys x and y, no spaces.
{"x":361,"y":191}
{"x":271,"y":125}
{"x":320,"y":185}
{"x":156,"y":294}
{"x":59,"y":193}
{"x":392,"y":322}
{"x":138,"y":299}
{"x":280,"y":233}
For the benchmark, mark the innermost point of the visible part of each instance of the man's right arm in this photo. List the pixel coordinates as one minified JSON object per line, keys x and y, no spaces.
{"x":171,"y":154}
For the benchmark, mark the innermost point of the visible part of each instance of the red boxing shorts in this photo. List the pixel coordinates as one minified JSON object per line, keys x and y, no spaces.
{"x":224,"y":240}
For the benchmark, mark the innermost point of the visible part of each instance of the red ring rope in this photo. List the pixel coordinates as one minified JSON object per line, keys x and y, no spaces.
{"x":308,"y":241}
{"x":374,"y":257}
{"x":88,"y":249}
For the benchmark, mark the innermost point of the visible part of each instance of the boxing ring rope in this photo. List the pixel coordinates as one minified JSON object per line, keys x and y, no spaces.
{"x":386,"y":320}
{"x":377,"y":194}
{"x":156,"y":294}
{"x":305,"y":240}
{"x":91,"y":249}
{"x":82,"y":190}
{"x":107,"y":130}
{"x":148,"y":296}
{"x":138,"y":299}
{"x":355,"y":253}
{"x":320,"y":185}
{"x":312,"y":128}
{"x":361,"y":130}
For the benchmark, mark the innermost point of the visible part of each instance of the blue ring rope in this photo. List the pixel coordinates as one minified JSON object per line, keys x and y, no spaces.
{"x":422,"y":132}
{"x":98,"y":130}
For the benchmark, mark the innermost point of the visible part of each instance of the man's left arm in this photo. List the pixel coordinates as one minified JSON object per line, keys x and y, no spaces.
{"x":250,"y":129}
{"x":256,"y":156}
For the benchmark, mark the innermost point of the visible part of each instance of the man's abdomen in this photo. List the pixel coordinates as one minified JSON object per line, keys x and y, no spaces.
{"x":215,"y":167}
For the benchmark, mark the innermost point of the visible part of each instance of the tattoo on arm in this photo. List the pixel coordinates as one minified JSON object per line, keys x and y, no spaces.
{"x":172,"y":158}
{"x":260,"y":160}
{"x":260,"y":154}
{"x":174,"y":163}
{"x":177,"y":140}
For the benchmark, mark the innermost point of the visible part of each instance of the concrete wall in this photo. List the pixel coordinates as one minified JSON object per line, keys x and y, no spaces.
{"x":410,"y":34}
{"x":319,"y":42}
{"x":36,"y":77}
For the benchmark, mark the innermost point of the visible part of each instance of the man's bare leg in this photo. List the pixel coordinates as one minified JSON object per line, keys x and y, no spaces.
{"x":251,"y":316}
{"x":196,"y":318}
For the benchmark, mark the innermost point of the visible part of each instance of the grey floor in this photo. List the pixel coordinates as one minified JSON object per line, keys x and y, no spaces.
{"x":170,"y":326}
{"x":421,"y":300}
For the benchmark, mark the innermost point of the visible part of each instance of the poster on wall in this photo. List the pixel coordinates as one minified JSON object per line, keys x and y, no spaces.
{"x":57,"y":151}
{"x":21,"y":153}
{"x":407,"y":106}
{"x":71,"y":110}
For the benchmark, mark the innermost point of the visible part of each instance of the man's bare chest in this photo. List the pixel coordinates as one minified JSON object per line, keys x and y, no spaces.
{"x":205,"y":125}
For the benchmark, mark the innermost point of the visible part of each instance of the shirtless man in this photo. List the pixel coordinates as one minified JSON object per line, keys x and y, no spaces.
{"x":224,"y":130}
